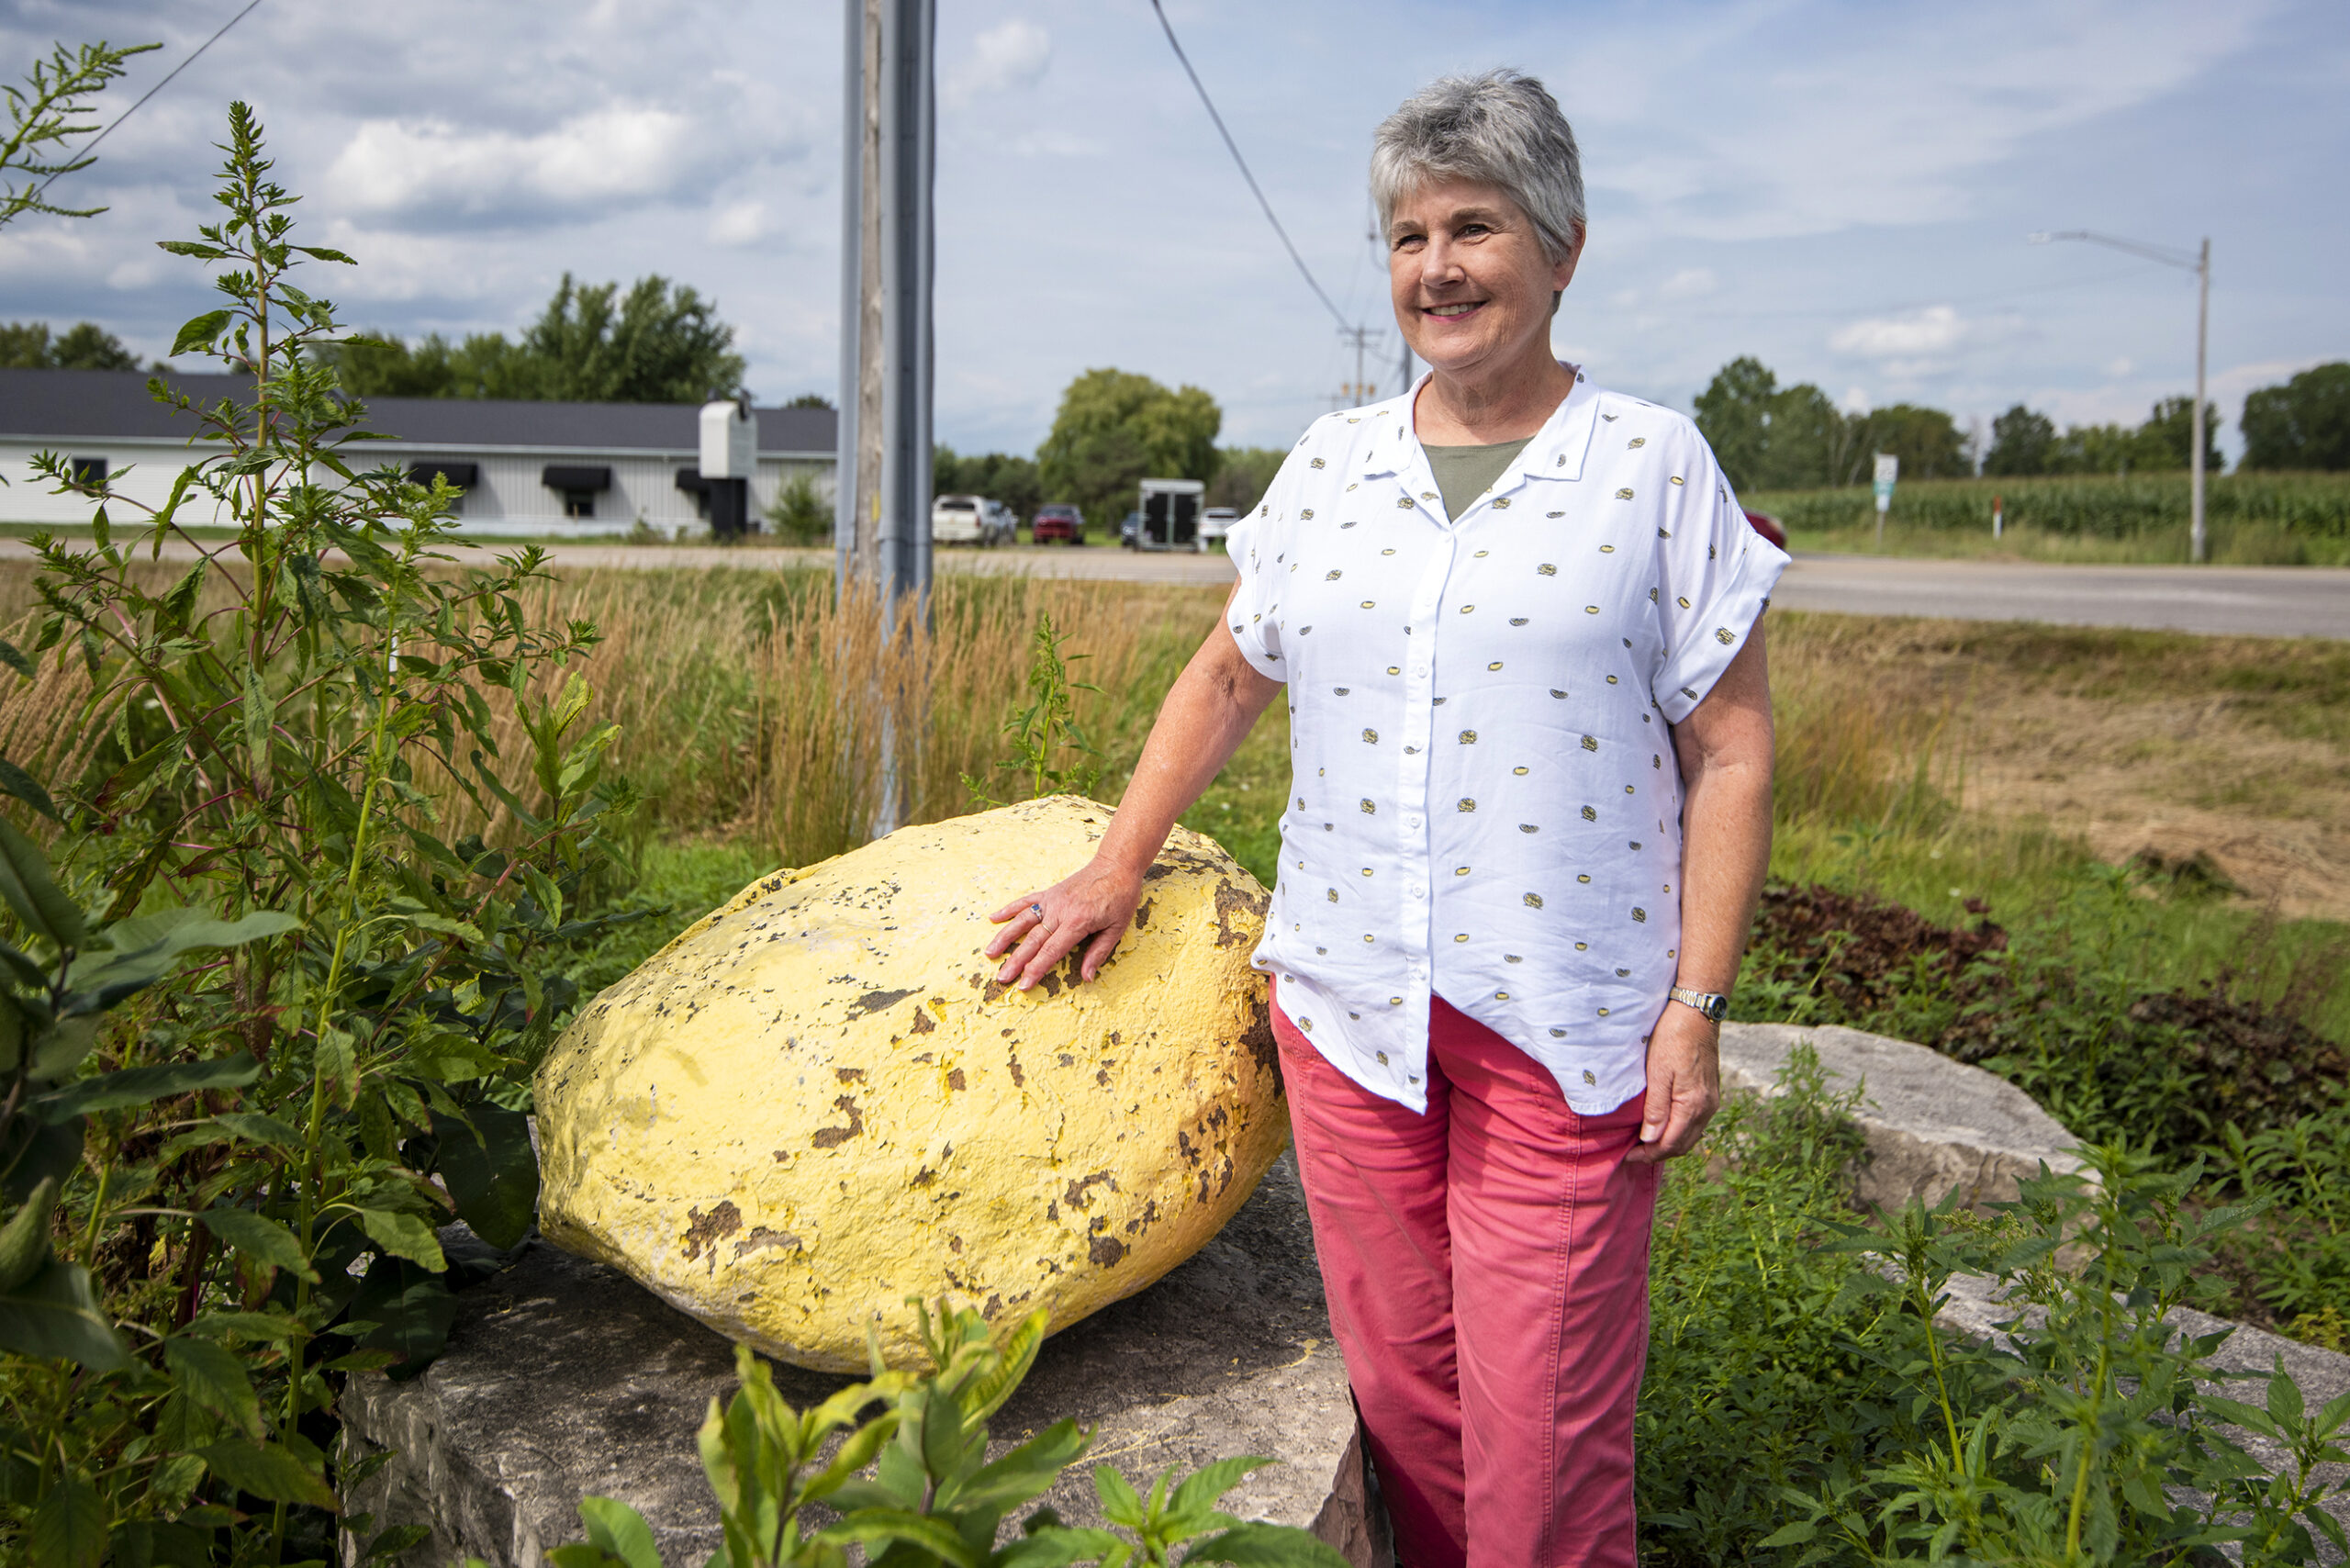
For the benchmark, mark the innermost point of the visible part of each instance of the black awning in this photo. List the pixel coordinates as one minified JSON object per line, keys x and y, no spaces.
{"x":690,"y":481}
{"x":465,"y":476}
{"x":568,"y":477}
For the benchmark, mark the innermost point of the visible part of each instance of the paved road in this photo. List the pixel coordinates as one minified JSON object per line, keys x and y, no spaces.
{"x":2255,"y":601}
{"x":2260,"y":601}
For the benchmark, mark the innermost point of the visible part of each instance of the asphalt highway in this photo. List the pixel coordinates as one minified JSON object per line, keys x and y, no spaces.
{"x":2251,"y":601}
{"x":2254,"y":602}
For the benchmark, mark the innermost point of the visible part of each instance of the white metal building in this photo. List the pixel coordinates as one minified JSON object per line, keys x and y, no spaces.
{"x":526,"y":468}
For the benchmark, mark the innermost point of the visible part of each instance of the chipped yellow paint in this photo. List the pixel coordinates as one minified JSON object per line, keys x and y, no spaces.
{"x":817,"y":1102}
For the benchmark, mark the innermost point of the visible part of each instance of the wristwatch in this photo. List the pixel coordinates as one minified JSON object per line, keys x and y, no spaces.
{"x":1713,"y":1005}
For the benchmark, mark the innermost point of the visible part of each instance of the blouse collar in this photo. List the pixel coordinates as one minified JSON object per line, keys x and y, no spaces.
{"x":1556,"y":452}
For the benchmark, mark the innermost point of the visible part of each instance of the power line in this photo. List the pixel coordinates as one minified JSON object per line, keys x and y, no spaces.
{"x":1233,"y":147}
{"x":88,"y":146}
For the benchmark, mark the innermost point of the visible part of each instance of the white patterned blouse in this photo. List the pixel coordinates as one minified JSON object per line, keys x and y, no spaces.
{"x":1486,"y":801}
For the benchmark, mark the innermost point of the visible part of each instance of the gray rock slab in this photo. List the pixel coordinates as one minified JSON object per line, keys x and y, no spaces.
{"x":1935,"y":1125}
{"x":565,"y":1379}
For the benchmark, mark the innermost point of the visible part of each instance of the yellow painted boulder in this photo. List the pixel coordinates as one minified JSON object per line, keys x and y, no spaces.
{"x":817,"y":1102}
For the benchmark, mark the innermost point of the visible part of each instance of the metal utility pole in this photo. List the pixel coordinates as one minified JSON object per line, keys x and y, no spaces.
{"x":1360,"y":337}
{"x":881,"y":501}
{"x":2200,"y":263}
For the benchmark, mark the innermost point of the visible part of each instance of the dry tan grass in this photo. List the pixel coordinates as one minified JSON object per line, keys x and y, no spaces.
{"x":2235,"y":748}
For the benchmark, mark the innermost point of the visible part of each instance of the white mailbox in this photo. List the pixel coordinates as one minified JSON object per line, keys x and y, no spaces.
{"x":730,"y":442}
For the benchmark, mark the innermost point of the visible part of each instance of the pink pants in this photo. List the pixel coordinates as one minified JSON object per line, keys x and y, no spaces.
{"x":1487,"y":1266}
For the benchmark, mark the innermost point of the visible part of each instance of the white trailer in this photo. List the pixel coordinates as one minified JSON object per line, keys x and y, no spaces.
{"x":1171,"y":515}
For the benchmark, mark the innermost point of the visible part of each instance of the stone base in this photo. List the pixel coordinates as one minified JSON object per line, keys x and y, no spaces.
{"x":1933,"y":1126}
{"x":564,"y":1379}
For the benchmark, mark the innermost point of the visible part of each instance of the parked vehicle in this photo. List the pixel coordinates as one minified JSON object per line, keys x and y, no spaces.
{"x":1216,"y":522}
{"x":958,"y":520}
{"x":1763,"y":523}
{"x":1171,"y":515}
{"x":1057,"y":519}
{"x":996,"y":525}
{"x":1130,"y":531}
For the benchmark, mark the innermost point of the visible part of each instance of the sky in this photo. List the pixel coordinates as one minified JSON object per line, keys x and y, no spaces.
{"x":1841,"y":188}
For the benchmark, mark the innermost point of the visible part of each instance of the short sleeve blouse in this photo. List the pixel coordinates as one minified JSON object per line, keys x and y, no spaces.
{"x":1486,"y":803}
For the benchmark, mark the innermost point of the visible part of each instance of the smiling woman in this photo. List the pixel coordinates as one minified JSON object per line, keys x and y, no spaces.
{"x":1503,"y":923}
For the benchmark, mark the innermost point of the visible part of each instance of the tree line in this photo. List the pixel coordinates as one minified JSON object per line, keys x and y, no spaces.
{"x":1770,"y":437}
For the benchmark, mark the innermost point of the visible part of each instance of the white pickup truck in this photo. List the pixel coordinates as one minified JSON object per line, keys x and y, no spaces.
{"x":968,"y":520}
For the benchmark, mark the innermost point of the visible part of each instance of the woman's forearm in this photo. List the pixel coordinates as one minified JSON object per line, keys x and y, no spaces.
{"x":1208,"y":712}
{"x":1726,"y":852}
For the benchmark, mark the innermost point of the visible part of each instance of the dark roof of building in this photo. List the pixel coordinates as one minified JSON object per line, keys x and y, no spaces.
{"x":93,"y":404}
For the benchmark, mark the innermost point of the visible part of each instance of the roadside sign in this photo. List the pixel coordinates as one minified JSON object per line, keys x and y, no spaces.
{"x":1888,"y":468}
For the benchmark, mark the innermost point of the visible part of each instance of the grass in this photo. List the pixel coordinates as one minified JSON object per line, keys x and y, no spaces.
{"x":2253,"y":520}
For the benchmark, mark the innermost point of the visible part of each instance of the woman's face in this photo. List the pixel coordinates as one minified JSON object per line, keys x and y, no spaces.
{"x":1471,"y":283}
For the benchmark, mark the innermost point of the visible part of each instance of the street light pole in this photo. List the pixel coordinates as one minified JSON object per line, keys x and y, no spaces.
{"x":2200,"y":263}
{"x":2202,"y":334}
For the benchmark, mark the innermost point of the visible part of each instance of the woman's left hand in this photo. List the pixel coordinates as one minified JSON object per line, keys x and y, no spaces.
{"x":1685,"y":1084}
{"x":1090,"y":909}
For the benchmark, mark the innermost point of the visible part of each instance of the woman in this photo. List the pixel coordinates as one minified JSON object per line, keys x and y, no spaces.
{"x":1517,"y":620}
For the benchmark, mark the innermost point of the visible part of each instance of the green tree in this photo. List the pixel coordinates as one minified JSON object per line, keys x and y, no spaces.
{"x":1243,"y":474}
{"x":1115,"y":428}
{"x":2168,"y":438}
{"x":2305,"y":423}
{"x":28,"y":345}
{"x":2021,"y":442}
{"x":1734,"y":415}
{"x":996,"y":474}
{"x":661,"y":343}
{"x":1929,"y":444}
{"x":809,"y":401}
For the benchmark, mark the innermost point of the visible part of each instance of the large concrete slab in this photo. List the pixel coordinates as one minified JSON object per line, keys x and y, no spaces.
{"x":565,"y":1379}
{"x":1935,"y":1125}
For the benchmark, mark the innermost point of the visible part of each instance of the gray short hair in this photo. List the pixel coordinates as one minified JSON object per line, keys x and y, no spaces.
{"x":1498,"y":127}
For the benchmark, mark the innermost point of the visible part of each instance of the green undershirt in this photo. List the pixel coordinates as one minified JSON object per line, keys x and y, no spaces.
{"x":1464,"y":472}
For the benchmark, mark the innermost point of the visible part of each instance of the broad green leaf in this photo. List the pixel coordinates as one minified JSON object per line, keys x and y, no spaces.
{"x":1266,"y":1546}
{"x":61,"y":1048}
{"x":140,"y":1085}
{"x":272,"y":1327}
{"x":2284,"y":1400}
{"x":491,"y":1170}
{"x":991,"y":1388}
{"x":620,"y":1531}
{"x":215,"y":1378}
{"x":50,"y":1151}
{"x":323,"y":254}
{"x":931,"y":1534}
{"x":11,"y":656}
{"x":411,"y":1309}
{"x":260,"y":1238}
{"x":270,"y":1472}
{"x":1027,"y":1470}
{"x":33,"y":893}
{"x":403,"y":1235}
{"x":24,"y":1240}
{"x":69,"y":1525}
{"x":24,"y":786}
{"x":56,"y":1315}
{"x":259,"y":1126}
{"x":1121,"y":1504}
{"x":337,"y":1061}
{"x":1055,"y":1546}
{"x":200,"y":331}
{"x":1199,"y":1489}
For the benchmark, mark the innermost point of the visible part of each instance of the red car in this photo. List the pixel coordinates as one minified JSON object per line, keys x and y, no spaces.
{"x":1057,"y":521}
{"x":1768,"y":527}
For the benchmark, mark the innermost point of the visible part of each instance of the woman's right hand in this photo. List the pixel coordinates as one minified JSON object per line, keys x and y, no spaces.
{"x":1092,"y":907}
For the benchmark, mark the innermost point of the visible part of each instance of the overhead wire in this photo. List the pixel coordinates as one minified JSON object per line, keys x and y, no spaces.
{"x":90,"y":145}
{"x":1233,"y":147}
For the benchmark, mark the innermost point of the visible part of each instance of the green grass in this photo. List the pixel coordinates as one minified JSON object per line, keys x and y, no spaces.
{"x":2251,"y":519}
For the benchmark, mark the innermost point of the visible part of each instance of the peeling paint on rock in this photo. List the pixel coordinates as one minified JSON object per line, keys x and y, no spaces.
{"x":852,"y":1112}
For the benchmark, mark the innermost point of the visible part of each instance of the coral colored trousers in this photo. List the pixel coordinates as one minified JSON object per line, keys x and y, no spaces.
{"x":1486,"y":1265}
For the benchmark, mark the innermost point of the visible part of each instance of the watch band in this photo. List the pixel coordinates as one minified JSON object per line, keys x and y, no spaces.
{"x":1712,"y":1004}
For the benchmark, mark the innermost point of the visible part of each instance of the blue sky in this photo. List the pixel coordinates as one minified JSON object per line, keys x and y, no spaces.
{"x":1842,"y":189}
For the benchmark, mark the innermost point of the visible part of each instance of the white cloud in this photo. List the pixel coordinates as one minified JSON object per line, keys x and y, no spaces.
{"x":1935,"y":329}
{"x":1689,"y":283}
{"x":741,"y":223}
{"x":1010,"y":57}
{"x":2116,"y":369}
{"x":433,"y":171}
